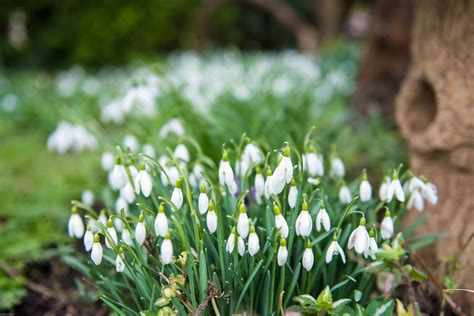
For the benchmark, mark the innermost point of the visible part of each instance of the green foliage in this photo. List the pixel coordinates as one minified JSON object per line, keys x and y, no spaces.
{"x":94,"y":32}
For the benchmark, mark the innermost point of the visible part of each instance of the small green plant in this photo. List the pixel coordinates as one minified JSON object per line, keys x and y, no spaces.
{"x":195,"y":236}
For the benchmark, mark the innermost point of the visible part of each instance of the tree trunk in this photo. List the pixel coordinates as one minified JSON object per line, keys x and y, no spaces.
{"x":435,"y":111}
{"x":387,"y":56}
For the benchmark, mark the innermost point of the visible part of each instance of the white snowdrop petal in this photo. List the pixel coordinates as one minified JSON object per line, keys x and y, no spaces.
{"x":282,"y":255}
{"x":96,"y":253}
{"x":292,"y":196}
{"x":308,"y":259}
{"x":140,"y":233}
{"x":161,"y":224}
{"x":203,"y":203}
{"x":211,"y":220}
{"x":166,"y":251}
{"x":88,"y":240}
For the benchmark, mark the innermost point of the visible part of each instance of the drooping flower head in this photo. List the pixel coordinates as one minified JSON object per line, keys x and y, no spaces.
{"x":335,"y":249}
{"x":211,"y":218}
{"x":282,"y":254}
{"x":203,"y":201}
{"x":308,"y":257}
{"x":365,"y":190}
{"x":75,"y":224}
{"x":243,"y":224}
{"x":359,"y":238}
{"x":166,"y":251}
{"x":386,"y":227}
{"x":97,"y":252}
{"x":112,"y":234}
{"x":292,"y":194}
{"x":322,"y":219}
{"x":177,"y":195}
{"x":280,"y":221}
{"x":161,"y":222}
{"x":254,"y":243}
{"x":140,"y":230}
{"x":304,"y":223}
{"x":395,"y":188}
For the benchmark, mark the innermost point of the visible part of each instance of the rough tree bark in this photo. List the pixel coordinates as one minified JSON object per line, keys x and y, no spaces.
{"x":386,"y":58}
{"x":435,"y":111}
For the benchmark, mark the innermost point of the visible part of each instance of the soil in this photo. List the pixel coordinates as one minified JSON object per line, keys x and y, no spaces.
{"x":52,"y":291}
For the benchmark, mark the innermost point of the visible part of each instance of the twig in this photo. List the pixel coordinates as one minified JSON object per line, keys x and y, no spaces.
{"x":282,"y":312}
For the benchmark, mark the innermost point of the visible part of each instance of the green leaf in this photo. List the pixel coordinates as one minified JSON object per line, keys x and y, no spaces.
{"x":325,"y":299}
{"x":306,"y":300}
{"x":386,"y":309}
{"x":357,"y":295}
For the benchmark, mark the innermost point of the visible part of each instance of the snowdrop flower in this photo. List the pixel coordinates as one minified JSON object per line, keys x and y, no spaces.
{"x":337,"y":168}
{"x":359,"y":238}
{"x":282,"y":255}
{"x":280,"y":221}
{"x":292,"y":194}
{"x":126,"y":237}
{"x":161,"y":222}
{"x":243,"y":224}
{"x":107,"y":161}
{"x":308,"y":257}
{"x":173,"y":174}
{"x":240,"y":246}
{"x":230,"y":245}
{"x":313,"y":162}
{"x":103,"y":218}
{"x":416,"y":201}
{"x":323,"y":218}
{"x":252,"y":154}
{"x":87,"y":197}
{"x":181,"y":152}
{"x":268,"y":191}
{"x":167,"y":249}
{"x":112,"y":234}
{"x":254,"y":243}
{"x":429,"y":192}
{"x":120,"y":205}
{"x":177,"y":195}
{"x":304,"y":223}
{"x":127,"y":193}
{"x":140,"y":230}
{"x":119,"y":175}
{"x":372,"y":248}
{"x":259,"y":185}
{"x":119,"y":261}
{"x":226,"y":175}
{"x":173,"y":126}
{"x":96,"y":253}
{"x":75,"y":225}
{"x":395,"y":188}
{"x":196,"y":177}
{"x":130,"y":142}
{"x":211,"y":219}
{"x":203,"y":202}
{"x":283,"y":173}
{"x":345,"y":196}
{"x":144,"y":182}
{"x":365,"y":190}
{"x":149,"y":150}
{"x":88,"y":238}
{"x":413,"y":184}
{"x":386,"y":227}
{"x":335,"y":249}
{"x":384,"y":188}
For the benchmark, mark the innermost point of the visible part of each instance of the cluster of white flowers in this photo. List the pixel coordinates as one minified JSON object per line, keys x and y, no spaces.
{"x":68,"y":137}
{"x":140,"y":99}
{"x":177,"y":173}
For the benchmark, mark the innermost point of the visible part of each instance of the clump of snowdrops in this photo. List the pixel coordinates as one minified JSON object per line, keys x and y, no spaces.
{"x":251,"y":233}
